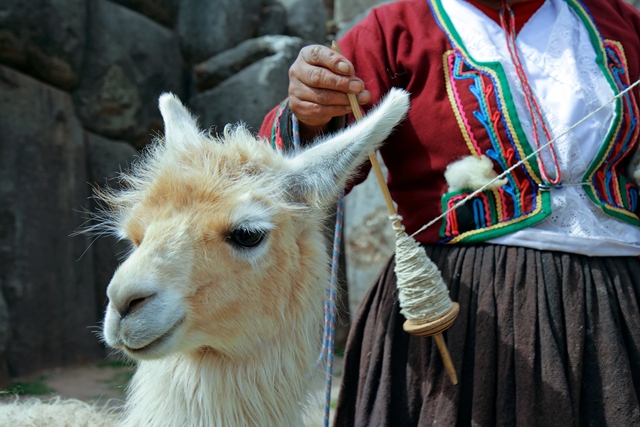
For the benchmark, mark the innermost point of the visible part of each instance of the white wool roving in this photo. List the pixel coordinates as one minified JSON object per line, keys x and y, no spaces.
{"x":56,"y":412}
{"x":472,"y":173}
{"x":422,"y":293}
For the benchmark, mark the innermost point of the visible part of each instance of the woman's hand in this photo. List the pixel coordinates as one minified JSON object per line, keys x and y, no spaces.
{"x":319,"y":81}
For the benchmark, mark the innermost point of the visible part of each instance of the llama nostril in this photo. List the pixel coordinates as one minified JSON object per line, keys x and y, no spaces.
{"x":136,"y":303}
{"x":133,"y":304}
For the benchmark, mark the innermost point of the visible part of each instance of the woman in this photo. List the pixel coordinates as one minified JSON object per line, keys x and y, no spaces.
{"x":546,"y":267}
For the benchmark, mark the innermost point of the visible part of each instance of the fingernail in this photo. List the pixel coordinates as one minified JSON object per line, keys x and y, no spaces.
{"x":355,"y":86}
{"x":343,"y":67}
{"x":363,"y":97}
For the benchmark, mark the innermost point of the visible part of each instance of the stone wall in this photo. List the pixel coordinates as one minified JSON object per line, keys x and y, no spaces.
{"x":79,"y":83}
{"x":346,"y":11}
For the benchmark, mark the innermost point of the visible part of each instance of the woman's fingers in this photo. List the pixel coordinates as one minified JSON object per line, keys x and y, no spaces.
{"x":318,"y":106}
{"x":317,"y":76}
{"x":325,"y":57}
{"x":319,"y":81}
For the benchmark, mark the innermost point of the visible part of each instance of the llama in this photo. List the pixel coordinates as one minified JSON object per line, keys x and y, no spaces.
{"x":220,"y":299}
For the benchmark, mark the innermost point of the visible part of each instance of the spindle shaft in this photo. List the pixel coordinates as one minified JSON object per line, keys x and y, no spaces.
{"x":432,"y":328}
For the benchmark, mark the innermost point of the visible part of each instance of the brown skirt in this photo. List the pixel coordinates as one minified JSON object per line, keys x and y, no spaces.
{"x":543,"y":339}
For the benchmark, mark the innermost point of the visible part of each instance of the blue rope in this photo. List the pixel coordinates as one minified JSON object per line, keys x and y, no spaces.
{"x":296,"y":133}
{"x":328,"y":336}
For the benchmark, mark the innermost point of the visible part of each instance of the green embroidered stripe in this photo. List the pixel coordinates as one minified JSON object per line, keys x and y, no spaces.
{"x":503,"y":91}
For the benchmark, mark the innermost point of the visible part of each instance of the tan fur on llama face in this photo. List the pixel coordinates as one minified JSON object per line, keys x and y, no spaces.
{"x":188,"y":284}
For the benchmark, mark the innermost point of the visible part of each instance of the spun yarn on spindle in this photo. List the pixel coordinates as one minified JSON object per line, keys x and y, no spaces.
{"x":422,"y":293}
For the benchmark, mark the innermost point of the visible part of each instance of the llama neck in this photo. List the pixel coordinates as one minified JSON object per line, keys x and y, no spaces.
{"x":210,"y":389}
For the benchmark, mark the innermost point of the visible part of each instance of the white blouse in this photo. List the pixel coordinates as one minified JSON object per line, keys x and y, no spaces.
{"x":559,"y":60}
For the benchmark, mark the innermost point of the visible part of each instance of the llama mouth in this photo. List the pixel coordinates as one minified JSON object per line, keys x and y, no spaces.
{"x":155,"y":343}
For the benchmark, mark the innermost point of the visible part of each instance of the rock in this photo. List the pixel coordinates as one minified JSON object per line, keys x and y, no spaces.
{"x":306,"y":19}
{"x":5,"y":334}
{"x":328,"y":5}
{"x":346,"y":10}
{"x":44,"y":38}
{"x":105,"y":159}
{"x":344,"y":25}
{"x":46,"y":275}
{"x":130,"y":60}
{"x":635,"y":3}
{"x":370,"y":239}
{"x":161,"y":11}
{"x":249,"y":95}
{"x":207,"y":28}
{"x":228,"y":63}
{"x":273,"y":20}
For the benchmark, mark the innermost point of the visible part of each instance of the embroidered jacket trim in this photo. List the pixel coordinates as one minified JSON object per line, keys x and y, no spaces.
{"x":484,"y":109}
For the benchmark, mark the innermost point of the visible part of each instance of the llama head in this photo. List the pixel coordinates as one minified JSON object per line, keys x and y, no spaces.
{"x":227,"y":247}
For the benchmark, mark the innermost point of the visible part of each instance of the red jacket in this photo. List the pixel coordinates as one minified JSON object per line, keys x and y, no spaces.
{"x":409,"y":44}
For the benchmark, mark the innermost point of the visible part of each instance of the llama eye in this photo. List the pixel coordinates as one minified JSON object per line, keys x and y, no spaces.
{"x":247,"y":238}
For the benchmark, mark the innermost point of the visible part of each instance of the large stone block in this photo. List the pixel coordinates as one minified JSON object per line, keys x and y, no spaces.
{"x":306,"y":19}
{"x":344,"y":25}
{"x":249,"y":95}
{"x":225,"y":65}
{"x":130,"y":61}
{"x":46,"y":275}
{"x":5,"y":331}
{"x":105,"y":159}
{"x":207,"y":28}
{"x":273,"y":19}
{"x":44,"y":38}
{"x":346,"y":10}
{"x":162,"y":11}
{"x":635,"y":3}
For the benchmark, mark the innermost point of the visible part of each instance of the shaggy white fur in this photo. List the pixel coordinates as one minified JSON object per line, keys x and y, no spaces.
{"x":472,"y":173}
{"x":55,"y":413}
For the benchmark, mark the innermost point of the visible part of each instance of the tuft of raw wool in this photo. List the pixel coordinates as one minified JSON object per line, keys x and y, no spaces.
{"x":56,"y":412}
{"x":472,"y":173}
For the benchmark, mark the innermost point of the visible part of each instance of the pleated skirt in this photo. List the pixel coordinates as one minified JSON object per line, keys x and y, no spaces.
{"x":543,"y":339}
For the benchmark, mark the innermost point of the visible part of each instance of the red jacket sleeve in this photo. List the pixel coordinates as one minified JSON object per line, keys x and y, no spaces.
{"x":267,"y":124}
{"x":372,"y":46}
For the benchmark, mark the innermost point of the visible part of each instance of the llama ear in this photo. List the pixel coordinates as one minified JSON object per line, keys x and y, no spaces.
{"x":319,"y":173}
{"x":179,"y":124}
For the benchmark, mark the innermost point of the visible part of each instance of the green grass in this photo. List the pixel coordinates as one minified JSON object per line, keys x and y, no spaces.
{"x":37,"y":387}
{"x":117,"y":363}
{"x":120,"y":380}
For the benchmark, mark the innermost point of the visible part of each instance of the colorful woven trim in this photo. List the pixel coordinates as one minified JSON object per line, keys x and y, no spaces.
{"x":609,"y":188}
{"x":492,"y":107}
{"x":483,"y":218}
{"x":606,"y":186}
{"x":480,"y":104}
